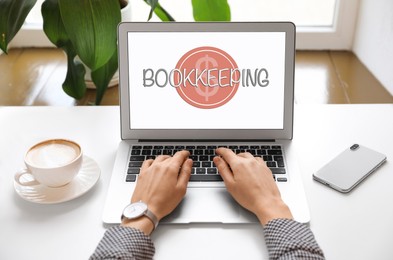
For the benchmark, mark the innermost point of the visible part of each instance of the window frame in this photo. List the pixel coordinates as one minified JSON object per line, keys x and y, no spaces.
{"x":337,"y":37}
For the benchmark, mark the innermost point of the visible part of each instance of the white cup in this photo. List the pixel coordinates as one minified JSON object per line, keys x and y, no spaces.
{"x":53,"y":163}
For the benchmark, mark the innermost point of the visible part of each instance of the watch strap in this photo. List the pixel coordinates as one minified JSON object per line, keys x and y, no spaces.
{"x":150,"y":215}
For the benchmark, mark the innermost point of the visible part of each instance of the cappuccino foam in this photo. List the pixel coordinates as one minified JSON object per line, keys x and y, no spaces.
{"x":52,"y":154}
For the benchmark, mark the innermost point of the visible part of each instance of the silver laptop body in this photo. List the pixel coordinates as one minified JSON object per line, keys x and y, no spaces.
{"x":246,"y":101}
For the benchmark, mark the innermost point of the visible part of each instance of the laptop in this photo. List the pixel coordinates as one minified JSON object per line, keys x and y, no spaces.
{"x":199,"y":86}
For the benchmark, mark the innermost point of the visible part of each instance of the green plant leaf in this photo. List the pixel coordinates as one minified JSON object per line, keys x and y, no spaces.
{"x":13,"y":13}
{"x":53,"y":25}
{"x":74,"y":84}
{"x":92,"y":28}
{"x":102,"y":76}
{"x":159,"y":11}
{"x":153,"y":4}
{"x":163,"y":14}
{"x":211,"y":10}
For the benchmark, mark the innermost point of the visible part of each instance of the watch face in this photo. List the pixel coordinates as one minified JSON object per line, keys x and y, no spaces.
{"x":135,"y":210}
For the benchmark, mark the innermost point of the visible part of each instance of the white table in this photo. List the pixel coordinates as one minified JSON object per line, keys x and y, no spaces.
{"x":358,"y":225}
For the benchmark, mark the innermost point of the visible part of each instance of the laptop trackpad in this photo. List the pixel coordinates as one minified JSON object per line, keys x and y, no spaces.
{"x":206,"y":205}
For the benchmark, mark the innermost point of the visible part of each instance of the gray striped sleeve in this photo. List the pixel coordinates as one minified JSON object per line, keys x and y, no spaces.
{"x":288,"y":239}
{"x":124,"y":243}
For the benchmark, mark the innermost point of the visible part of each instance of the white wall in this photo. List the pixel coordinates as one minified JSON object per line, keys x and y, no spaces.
{"x":373,"y":43}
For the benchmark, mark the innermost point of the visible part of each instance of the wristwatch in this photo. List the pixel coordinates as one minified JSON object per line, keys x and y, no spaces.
{"x":139,"y":209}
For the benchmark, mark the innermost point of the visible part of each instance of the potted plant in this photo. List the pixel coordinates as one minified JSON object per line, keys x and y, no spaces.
{"x":87,"y":29}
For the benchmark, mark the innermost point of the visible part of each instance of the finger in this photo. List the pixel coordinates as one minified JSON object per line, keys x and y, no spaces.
{"x":146,"y":164}
{"x":224,"y":170}
{"x":228,"y":155}
{"x":185,"y":173}
{"x":161,"y":158}
{"x":260,"y":159}
{"x":245,"y":155}
{"x":179,"y":158}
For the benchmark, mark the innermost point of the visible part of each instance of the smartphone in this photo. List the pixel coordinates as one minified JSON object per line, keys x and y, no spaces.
{"x":349,"y":168}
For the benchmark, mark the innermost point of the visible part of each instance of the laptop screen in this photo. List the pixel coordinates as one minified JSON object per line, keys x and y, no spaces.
{"x":206,"y":80}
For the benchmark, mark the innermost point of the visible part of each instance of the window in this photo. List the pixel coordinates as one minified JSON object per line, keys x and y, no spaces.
{"x":321,"y":24}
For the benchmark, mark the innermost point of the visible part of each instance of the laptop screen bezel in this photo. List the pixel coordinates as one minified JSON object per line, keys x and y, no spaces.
{"x":206,"y":134}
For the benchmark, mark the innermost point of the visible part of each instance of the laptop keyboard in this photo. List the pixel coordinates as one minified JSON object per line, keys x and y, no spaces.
{"x":203,"y":169}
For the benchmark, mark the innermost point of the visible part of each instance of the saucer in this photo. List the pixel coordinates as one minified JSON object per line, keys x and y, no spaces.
{"x":82,"y":183}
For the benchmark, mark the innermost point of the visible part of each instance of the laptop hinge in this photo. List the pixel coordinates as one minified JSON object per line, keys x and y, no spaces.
{"x":206,"y":140}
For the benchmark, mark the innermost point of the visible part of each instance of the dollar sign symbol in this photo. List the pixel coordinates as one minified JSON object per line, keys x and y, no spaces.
{"x":209,"y":91}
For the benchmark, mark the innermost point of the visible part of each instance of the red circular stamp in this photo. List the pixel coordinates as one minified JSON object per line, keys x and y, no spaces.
{"x":206,"y":77}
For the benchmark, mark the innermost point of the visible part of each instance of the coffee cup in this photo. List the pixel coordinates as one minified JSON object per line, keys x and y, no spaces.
{"x":53,"y":163}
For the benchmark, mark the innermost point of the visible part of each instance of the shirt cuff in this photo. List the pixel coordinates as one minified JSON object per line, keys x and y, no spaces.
{"x":289,"y":238}
{"x":124,"y":243}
